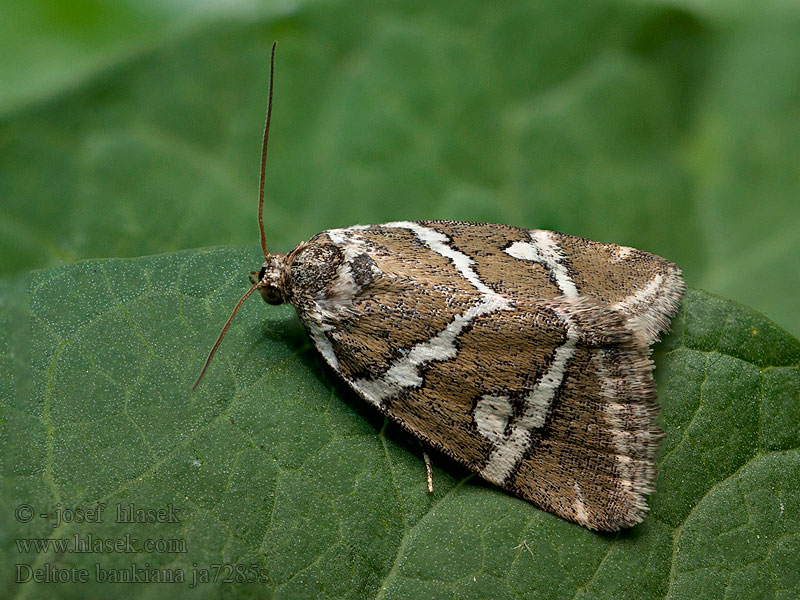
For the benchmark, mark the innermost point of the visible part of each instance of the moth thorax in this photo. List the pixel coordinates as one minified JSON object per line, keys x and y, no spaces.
{"x":314,"y":267}
{"x":274,"y":276}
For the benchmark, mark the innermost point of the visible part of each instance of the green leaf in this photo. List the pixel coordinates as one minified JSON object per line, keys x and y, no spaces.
{"x":274,"y":463}
{"x":671,"y":127}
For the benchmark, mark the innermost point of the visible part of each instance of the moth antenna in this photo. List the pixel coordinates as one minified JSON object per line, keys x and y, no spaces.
{"x":256,"y":285}
{"x":264,"y":153}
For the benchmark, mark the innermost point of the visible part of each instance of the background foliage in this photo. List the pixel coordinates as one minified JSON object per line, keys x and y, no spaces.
{"x":131,"y":129}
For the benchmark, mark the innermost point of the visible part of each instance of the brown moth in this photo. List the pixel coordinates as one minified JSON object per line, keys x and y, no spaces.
{"x":522,"y":354}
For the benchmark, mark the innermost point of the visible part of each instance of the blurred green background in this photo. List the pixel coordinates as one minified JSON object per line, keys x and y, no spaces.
{"x":133,"y":127}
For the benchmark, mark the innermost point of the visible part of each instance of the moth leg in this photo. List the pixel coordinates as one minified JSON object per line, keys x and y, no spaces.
{"x":429,"y":470}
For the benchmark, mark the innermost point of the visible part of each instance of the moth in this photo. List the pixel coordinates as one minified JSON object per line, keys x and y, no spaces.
{"x":522,"y":354}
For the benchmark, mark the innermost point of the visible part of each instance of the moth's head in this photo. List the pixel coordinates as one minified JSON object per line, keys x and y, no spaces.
{"x":273,"y":278}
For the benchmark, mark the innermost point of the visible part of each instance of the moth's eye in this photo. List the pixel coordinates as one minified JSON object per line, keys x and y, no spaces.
{"x":261,"y":273}
{"x":271,"y":295}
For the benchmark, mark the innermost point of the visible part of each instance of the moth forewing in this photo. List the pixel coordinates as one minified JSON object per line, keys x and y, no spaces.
{"x":485,"y":342}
